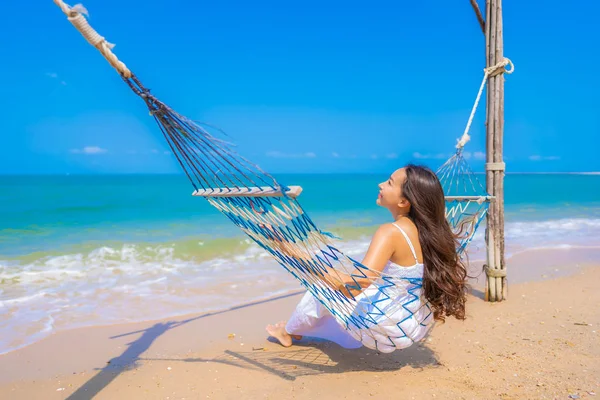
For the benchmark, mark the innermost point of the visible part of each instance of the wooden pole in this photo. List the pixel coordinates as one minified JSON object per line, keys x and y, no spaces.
{"x":496,"y":288}
{"x":478,"y":14}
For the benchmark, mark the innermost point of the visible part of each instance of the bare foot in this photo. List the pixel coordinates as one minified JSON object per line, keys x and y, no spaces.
{"x":278,"y":332}
{"x":284,"y":323}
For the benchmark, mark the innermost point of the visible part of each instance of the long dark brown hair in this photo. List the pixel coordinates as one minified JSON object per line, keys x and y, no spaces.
{"x":444,"y":273}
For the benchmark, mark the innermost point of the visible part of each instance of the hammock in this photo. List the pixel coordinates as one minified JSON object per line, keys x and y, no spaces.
{"x":269,"y":213}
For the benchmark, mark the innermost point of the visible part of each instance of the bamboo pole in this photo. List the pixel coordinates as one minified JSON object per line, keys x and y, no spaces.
{"x":500,"y":154}
{"x":490,"y":284}
{"x":496,"y":270}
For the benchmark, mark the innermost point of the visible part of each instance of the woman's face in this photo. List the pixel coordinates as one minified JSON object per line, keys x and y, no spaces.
{"x":390,"y":191}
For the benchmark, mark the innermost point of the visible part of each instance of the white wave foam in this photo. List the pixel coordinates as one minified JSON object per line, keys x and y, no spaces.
{"x":23,"y":299}
{"x":516,"y":230}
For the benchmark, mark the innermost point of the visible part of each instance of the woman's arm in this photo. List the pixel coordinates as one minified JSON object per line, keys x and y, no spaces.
{"x":379,"y":253}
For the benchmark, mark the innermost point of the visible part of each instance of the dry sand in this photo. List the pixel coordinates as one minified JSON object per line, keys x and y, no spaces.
{"x":543,"y":343}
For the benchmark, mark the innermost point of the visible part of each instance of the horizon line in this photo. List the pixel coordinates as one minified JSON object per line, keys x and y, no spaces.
{"x":285,"y":173}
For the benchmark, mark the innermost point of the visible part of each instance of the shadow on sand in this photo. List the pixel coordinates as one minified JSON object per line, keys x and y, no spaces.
{"x":128,"y":359}
{"x":304,"y":358}
{"x":319,"y":357}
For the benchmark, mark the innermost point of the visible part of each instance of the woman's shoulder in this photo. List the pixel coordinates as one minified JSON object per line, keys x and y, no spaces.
{"x":402,"y":227}
{"x":390,"y":230}
{"x":406,"y":225}
{"x":385,"y":234}
{"x":393,"y":230}
{"x":387,"y":229}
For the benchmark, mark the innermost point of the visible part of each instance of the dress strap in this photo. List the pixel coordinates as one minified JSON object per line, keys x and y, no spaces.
{"x":412,"y":249}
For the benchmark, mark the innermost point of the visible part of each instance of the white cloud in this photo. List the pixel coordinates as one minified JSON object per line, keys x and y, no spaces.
{"x":374,"y":156}
{"x":536,"y":157}
{"x":54,"y":75}
{"x":89,"y":150}
{"x":279,"y":154}
{"x":479,"y":155}
{"x":334,"y":154}
{"x":154,"y":151}
{"x":392,"y":155}
{"x":439,"y":156}
{"x":168,"y":153}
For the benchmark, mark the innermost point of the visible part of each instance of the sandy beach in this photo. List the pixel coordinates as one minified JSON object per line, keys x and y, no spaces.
{"x":540,"y":344}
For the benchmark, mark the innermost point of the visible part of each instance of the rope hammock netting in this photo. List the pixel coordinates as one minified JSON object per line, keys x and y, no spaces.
{"x":387,"y":315}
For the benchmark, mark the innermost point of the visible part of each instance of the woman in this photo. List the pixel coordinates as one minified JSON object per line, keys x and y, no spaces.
{"x":418,"y":244}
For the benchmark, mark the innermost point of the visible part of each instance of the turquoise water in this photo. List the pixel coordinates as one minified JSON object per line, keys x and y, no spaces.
{"x":74,"y":250}
{"x":53,"y":212}
{"x":44,"y":213}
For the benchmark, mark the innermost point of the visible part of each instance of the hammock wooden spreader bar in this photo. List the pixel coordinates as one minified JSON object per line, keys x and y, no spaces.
{"x":292,"y":192}
{"x":477,"y":199}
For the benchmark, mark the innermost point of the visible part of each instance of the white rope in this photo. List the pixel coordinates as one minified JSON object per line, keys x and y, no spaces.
{"x":488,"y":72}
{"x":76,"y":15}
{"x":500,"y":68}
{"x":465,"y":136}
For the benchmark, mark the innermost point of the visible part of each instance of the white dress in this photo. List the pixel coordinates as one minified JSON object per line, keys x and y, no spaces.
{"x":407,"y":318}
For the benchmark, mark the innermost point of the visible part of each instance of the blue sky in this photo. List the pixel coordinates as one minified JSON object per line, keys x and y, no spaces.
{"x":301,"y":87}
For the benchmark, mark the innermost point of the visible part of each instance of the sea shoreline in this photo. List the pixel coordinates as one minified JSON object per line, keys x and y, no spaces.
{"x":527,"y":265}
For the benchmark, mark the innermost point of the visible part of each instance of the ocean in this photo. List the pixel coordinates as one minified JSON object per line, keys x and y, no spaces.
{"x":91,"y":250}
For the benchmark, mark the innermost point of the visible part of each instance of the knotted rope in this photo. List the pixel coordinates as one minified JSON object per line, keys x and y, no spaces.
{"x":76,"y":15}
{"x":494,"y":273}
{"x":488,"y":73}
